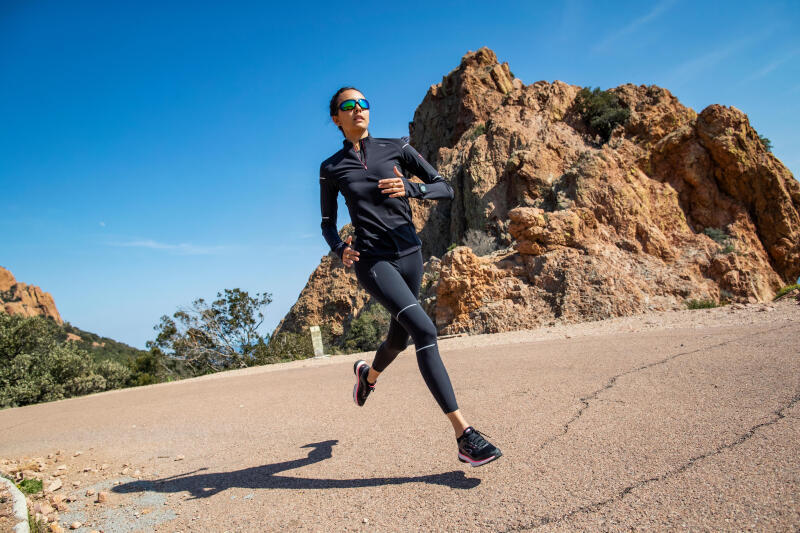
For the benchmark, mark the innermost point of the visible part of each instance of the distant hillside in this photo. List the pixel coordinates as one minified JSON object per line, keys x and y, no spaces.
{"x":17,"y":298}
{"x":100,"y":348}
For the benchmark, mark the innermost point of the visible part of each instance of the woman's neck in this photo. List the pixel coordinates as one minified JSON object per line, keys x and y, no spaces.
{"x":357,"y":136}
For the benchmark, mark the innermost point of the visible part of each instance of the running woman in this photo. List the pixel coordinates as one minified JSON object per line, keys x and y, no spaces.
{"x":386,"y":256}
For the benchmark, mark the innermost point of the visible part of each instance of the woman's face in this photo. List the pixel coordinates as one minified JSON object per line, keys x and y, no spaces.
{"x":355,"y":121}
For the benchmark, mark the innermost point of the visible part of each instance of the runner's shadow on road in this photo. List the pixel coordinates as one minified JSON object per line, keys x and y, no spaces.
{"x":264,"y":477}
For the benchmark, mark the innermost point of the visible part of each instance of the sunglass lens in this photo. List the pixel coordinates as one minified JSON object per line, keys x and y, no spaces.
{"x":363,"y":103}
{"x":347,"y":105}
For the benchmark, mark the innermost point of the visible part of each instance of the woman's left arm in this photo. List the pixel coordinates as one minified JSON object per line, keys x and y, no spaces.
{"x":435,"y":187}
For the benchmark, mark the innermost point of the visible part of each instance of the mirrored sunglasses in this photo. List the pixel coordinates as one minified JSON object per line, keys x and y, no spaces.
{"x":350,"y":104}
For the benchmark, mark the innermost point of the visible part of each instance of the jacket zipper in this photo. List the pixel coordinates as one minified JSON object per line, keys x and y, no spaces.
{"x":361,"y":151}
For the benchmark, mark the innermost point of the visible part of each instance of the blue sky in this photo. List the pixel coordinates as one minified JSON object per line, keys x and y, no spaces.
{"x":155,"y":152}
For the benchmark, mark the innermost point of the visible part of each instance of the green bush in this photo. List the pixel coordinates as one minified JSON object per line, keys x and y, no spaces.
{"x":37,"y":366}
{"x":720,"y":237}
{"x":601,"y":111}
{"x":717,"y":235}
{"x":786,"y":289}
{"x":479,"y":130}
{"x":289,"y":346}
{"x":766,"y":142}
{"x":452,"y":246}
{"x":145,"y":369}
{"x":701,"y":304}
{"x":368,"y":329}
{"x":30,"y":486}
{"x":38,"y":363}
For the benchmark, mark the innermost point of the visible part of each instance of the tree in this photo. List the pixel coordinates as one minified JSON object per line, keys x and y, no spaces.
{"x":217,"y":336}
{"x":766,"y":142}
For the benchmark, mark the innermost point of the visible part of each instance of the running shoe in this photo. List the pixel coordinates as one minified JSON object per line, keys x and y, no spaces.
{"x":362,"y":388}
{"x":474,"y":449}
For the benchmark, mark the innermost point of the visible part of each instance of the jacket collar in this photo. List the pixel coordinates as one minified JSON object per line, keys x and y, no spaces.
{"x":347,"y":144}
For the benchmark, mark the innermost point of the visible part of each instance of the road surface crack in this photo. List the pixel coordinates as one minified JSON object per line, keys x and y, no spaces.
{"x":776,"y":415}
{"x":613,"y":380}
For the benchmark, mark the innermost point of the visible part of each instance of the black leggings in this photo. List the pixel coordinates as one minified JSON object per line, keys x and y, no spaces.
{"x":394,"y":283}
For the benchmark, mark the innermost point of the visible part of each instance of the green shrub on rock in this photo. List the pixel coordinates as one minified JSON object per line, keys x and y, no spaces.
{"x":784,"y":290}
{"x":717,"y":235}
{"x":602,"y":111}
{"x":701,"y":304}
{"x":766,"y":142}
{"x":479,"y":130}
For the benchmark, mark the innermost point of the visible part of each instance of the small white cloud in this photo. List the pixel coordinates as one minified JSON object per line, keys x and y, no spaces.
{"x":102,"y":224}
{"x":182,"y":248}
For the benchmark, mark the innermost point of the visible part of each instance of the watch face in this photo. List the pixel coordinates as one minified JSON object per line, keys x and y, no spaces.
{"x":422,"y":188}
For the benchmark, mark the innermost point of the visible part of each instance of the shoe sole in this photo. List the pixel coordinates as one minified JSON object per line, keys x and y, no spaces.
{"x":356,"y":368}
{"x":464,"y":459}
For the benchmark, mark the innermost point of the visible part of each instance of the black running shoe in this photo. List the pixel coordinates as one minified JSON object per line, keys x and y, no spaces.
{"x":362,"y":388}
{"x":474,"y":449}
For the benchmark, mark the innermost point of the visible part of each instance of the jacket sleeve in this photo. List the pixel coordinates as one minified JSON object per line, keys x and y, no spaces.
{"x":435,"y":187}
{"x":328,"y":193}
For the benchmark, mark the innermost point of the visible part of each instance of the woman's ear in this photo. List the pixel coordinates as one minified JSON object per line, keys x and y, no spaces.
{"x":335,"y":120}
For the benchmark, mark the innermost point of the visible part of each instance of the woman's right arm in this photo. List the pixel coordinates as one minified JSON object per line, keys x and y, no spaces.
{"x":328,"y":205}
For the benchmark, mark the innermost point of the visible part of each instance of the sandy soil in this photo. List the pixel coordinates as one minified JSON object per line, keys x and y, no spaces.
{"x":677,"y":420}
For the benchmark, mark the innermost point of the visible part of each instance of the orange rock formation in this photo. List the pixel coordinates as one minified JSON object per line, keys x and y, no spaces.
{"x":26,"y":300}
{"x":586,"y":230}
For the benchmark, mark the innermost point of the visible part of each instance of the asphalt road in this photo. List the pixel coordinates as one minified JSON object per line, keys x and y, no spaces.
{"x":693,"y":428}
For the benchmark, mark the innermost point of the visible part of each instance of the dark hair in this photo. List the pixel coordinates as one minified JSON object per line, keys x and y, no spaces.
{"x":335,"y":100}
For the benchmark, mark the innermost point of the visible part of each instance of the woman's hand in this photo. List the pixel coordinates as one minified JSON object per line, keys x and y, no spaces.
{"x":394,"y":187}
{"x":349,"y":255}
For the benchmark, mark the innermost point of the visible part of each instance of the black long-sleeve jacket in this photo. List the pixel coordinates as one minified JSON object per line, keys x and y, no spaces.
{"x":383,"y":225}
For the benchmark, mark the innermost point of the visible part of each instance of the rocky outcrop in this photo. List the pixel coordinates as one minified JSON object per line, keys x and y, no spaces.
{"x":674,"y":206}
{"x":27,"y":300}
{"x":331,"y":297}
